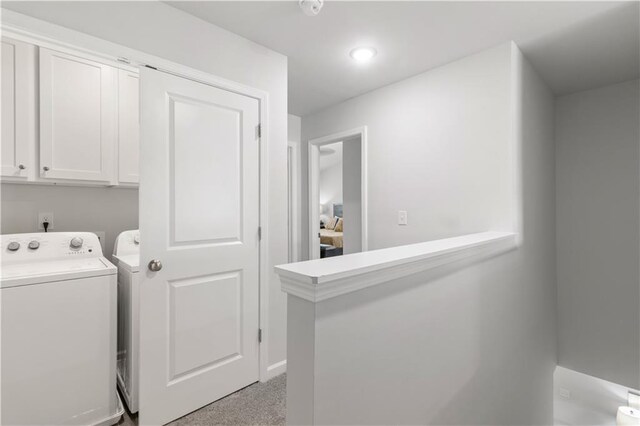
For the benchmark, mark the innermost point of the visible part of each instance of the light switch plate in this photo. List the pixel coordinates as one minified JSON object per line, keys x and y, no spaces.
{"x":402,"y":217}
{"x":45,"y":216}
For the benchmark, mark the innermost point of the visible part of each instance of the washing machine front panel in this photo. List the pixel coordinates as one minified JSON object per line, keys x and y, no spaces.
{"x":58,"y":331}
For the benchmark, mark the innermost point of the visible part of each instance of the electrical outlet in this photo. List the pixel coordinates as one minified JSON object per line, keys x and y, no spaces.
{"x":402,"y":218}
{"x":45,"y":217}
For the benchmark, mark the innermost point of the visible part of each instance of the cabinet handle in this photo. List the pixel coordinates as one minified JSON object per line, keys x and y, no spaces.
{"x":45,"y":168}
{"x":21,"y":166}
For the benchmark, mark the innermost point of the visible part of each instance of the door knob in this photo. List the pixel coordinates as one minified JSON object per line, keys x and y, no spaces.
{"x":155,"y":265}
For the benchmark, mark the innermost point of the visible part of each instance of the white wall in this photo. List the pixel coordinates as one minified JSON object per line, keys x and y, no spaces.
{"x":330,"y":185}
{"x":452,"y":121}
{"x":598,"y":240}
{"x":352,"y":195}
{"x":111,"y":210}
{"x":473,"y":346}
{"x":161,"y":30}
{"x":294,"y":128}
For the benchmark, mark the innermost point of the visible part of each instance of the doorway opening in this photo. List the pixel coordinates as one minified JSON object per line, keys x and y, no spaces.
{"x":337,"y":194}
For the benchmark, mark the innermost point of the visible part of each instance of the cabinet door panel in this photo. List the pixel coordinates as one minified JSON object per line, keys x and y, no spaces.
{"x":128,"y":127}
{"x":77,"y":117}
{"x":18,"y":108}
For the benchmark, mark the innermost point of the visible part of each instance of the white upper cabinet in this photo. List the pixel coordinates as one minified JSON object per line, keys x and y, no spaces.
{"x":78,"y":128}
{"x":128,"y":127}
{"x":18,"y":109}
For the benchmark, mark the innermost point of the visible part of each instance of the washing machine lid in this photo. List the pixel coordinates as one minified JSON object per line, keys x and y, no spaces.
{"x":27,"y":273}
{"x":130,"y":262}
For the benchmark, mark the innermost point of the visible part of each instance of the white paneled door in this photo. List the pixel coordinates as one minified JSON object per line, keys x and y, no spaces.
{"x":199,"y":189}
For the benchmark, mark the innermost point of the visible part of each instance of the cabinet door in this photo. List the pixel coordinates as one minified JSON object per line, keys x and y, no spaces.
{"x":77,"y":117}
{"x":128,"y":127}
{"x":18,"y":109}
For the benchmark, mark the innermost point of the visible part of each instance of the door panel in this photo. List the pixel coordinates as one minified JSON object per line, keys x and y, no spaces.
{"x":204,"y":337}
{"x":77,"y":117}
{"x":195,"y":218}
{"x":199,"y":208}
{"x":18,"y":108}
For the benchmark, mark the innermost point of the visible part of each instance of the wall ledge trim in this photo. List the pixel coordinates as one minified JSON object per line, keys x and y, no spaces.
{"x":318,"y":280}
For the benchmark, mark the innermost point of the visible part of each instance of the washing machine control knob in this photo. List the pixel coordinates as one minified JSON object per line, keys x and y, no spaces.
{"x":76,"y":242}
{"x":13,"y":246}
{"x":34,"y":245}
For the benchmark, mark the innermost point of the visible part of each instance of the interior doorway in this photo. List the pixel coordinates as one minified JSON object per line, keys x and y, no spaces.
{"x":337,"y":194}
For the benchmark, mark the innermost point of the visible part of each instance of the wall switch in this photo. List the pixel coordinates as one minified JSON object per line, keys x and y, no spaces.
{"x":402,"y":217}
{"x":564,"y":393}
{"x":45,"y":217}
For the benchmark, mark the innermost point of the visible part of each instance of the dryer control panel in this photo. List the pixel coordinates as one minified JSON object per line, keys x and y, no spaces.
{"x":127,"y":243}
{"x":49,"y":245}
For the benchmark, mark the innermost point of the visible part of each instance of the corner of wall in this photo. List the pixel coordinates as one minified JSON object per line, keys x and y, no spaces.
{"x":518,"y":140}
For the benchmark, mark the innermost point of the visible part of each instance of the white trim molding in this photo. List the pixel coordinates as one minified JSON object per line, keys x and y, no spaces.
{"x":275,"y":370}
{"x":318,"y":280}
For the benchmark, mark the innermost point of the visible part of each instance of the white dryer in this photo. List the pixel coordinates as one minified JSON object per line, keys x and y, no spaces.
{"x":58,"y":328}
{"x":126,"y":256}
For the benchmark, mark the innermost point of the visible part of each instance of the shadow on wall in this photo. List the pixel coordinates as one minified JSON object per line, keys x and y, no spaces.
{"x":555,"y":65}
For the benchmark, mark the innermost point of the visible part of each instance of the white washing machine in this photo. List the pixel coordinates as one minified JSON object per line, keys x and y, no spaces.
{"x":58,"y":331}
{"x":126,"y":255}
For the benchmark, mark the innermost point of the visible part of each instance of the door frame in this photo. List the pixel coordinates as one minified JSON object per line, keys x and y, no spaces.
{"x":130,"y":59}
{"x":314,"y":184}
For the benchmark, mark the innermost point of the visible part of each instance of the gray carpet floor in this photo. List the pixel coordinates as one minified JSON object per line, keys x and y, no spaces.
{"x":257,"y":404}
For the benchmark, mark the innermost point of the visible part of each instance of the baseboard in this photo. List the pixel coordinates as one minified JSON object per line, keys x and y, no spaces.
{"x":276,"y":369}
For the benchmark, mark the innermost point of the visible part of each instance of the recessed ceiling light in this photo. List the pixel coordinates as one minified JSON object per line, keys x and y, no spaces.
{"x":363,"y":54}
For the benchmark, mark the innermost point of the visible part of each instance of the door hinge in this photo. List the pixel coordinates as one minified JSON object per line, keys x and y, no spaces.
{"x":259,"y":233}
{"x":259,"y":335}
{"x":259,"y":130}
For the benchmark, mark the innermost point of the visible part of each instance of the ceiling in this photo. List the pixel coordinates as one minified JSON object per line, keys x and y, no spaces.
{"x":330,"y":155}
{"x":574,"y":45}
